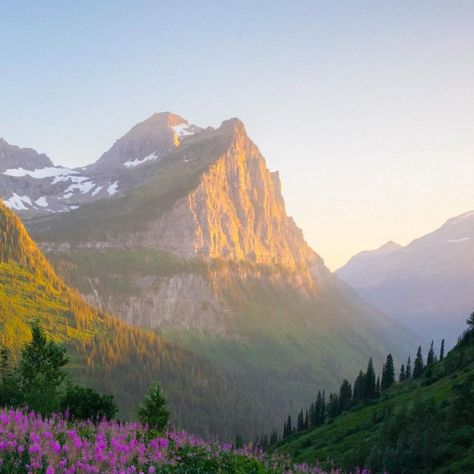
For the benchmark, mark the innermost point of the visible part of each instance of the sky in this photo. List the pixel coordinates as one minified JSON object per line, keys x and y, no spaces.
{"x":365,"y":107}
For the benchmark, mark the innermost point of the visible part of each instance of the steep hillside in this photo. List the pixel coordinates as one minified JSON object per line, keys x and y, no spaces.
{"x":114,"y":356}
{"x":204,"y":252}
{"x":424,"y":425}
{"x":428,"y":285}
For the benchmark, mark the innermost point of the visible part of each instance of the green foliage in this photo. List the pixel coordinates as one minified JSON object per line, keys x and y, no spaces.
{"x":418,"y":365}
{"x":153,"y":411}
{"x":42,"y":372}
{"x":422,"y":425}
{"x":10,"y":389}
{"x":87,"y":404}
{"x":388,"y":373}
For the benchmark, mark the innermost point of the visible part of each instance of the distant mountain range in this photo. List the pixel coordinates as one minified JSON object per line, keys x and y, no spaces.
{"x":184,"y":230}
{"x":428,"y":284}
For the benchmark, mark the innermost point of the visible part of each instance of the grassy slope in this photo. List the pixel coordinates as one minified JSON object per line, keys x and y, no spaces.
{"x":348,"y":440}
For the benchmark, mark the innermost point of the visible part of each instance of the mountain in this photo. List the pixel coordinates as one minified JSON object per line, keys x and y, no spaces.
{"x":423,"y":425}
{"x":428,"y":284}
{"x":197,"y":245}
{"x":32,"y":185}
{"x":115,"y":357}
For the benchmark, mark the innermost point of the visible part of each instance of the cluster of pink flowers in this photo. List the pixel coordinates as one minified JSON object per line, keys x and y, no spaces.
{"x":32,"y":444}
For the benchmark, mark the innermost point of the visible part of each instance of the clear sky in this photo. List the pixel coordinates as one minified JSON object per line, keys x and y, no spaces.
{"x":365,"y":107}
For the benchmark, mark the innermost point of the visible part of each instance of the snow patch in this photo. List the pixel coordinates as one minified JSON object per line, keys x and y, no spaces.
{"x":456,"y":241}
{"x":184,"y":130}
{"x":83,"y":187}
{"x":112,"y":189}
{"x":96,"y":190}
{"x":42,"y":202}
{"x":18,"y":202}
{"x":40,"y":173}
{"x":132,"y":164}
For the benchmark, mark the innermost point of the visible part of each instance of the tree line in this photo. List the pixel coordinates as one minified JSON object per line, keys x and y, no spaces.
{"x":366,"y":388}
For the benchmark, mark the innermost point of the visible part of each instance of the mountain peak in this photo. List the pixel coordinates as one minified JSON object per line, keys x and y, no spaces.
{"x":148,"y":140}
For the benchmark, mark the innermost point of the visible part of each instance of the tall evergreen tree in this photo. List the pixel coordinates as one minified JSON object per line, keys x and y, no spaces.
{"x":345,"y":396}
{"x":388,"y":373}
{"x":470,"y":322}
{"x":333,"y":406}
{"x":441,"y":352}
{"x":154,"y":411}
{"x":408,"y":373}
{"x":418,"y":364}
{"x":359,"y":394}
{"x":431,"y":355}
{"x":300,"y":421}
{"x":42,"y":372}
{"x":370,"y":381}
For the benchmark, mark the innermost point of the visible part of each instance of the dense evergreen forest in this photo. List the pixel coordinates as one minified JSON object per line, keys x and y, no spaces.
{"x":421,"y":421}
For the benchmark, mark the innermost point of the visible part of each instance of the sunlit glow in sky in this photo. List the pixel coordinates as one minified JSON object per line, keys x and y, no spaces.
{"x":365,"y":107}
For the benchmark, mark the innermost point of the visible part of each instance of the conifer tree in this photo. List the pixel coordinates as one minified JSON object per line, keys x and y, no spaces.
{"x":401,"y":378}
{"x":431,"y":355}
{"x":42,"y":371}
{"x":359,"y":394}
{"x":441,"y":352}
{"x":377,"y":388}
{"x":153,"y":411}
{"x":388,"y":373}
{"x":470,"y":322}
{"x":418,"y":364}
{"x":408,"y":369}
{"x":300,"y":421}
{"x":370,"y":381}
{"x":333,"y":405}
{"x":345,"y":396}
{"x":306,"y":420}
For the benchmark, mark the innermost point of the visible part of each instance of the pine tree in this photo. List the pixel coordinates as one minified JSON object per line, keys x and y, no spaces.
{"x":333,"y":405}
{"x":153,"y":411}
{"x":345,"y":396}
{"x":418,"y":364}
{"x":408,"y":369}
{"x":42,"y":371}
{"x":388,"y":373}
{"x":470,"y":322}
{"x":370,"y":381}
{"x":401,"y":378}
{"x":431,"y":355}
{"x":359,"y":394}
{"x":441,"y":352}
{"x":300,"y":421}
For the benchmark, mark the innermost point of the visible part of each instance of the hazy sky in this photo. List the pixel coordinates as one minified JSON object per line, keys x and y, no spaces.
{"x":365,"y":108}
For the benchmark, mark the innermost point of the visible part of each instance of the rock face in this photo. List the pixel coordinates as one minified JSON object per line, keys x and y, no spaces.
{"x":428,"y":284}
